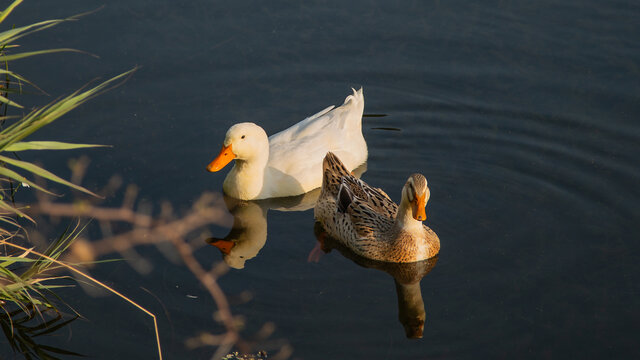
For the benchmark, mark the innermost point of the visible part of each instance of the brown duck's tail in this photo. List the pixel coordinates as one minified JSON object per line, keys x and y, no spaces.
{"x":333,"y":170}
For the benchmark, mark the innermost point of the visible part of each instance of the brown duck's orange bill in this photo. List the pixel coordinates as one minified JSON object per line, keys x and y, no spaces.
{"x":421,"y":203}
{"x":224,"y":246}
{"x":225,"y":157}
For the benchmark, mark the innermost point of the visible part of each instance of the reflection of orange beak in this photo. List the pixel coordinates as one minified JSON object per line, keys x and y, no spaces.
{"x":224,"y":246}
{"x":421,"y":203}
{"x":225,"y":157}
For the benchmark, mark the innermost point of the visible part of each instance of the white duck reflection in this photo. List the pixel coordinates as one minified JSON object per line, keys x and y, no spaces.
{"x":406,"y":276}
{"x":248,"y":233}
{"x":249,"y":230}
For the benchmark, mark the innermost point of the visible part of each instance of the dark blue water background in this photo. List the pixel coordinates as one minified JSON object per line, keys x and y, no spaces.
{"x":523,"y":116}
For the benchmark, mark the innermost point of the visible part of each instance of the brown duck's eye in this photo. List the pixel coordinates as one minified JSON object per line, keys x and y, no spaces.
{"x":242,"y":137}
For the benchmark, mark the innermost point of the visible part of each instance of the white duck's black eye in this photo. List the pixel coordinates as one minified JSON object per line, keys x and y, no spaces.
{"x":242,"y":137}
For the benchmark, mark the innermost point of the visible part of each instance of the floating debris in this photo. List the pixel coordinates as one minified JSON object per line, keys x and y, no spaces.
{"x":261,"y":355}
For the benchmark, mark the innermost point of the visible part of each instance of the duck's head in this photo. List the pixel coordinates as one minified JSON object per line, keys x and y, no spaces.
{"x":416,"y":193}
{"x":243,"y":141}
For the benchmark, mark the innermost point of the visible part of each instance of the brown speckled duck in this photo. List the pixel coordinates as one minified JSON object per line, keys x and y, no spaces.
{"x":368,"y":222}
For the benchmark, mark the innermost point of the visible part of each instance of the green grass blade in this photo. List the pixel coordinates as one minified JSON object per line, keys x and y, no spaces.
{"x":55,"y":250}
{"x":9,"y":102}
{"x":8,"y":173}
{"x":20,"y":78}
{"x":34,"y":169}
{"x":9,"y":9}
{"x":12,"y":297}
{"x":9,"y":117}
{"x":41,"y":117}
{"x":8,"y":274}
{"x":34,"y":53}
{"x":11,"y":35}
{"x":8,"y":220}
{"x":20,"y":125}
{"x":7,"y":207}
{"x":10,"y":260}
{"x":8,"y":36}
{"x":48,"y":145}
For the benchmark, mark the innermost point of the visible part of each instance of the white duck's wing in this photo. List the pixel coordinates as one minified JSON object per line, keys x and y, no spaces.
{"x":299,"y":163}
{"x":301,"y":129}
{"x":296,"y":154}
{"x":347,"y":116}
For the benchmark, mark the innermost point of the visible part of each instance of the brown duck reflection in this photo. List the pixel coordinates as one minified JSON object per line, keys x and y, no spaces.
{"x":249,"y":230}
{"x":406,"y":277}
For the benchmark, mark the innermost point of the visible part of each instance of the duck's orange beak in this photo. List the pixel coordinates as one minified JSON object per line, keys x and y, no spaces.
{"x":421,"y":203}
{"x":225,"y":157}
{"x":224,"y":246}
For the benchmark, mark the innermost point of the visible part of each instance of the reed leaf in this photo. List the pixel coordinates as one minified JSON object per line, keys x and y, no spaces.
{"x":34,"y":53}
{"x":20,"y":79}
{"x":23,"y":284}
{"x":4,"y":100}
{"x":42,"y":173}
{"x":9,"y":9}
{"x":8,"y":220}
{"x":8,"y":173}
{"x":54,"y":251}
{"x":48,"y":145}
{"x":19,"y":125}
{"x":11,"y":35}
{"x":49,"y":113}
{"x":10,"y":260}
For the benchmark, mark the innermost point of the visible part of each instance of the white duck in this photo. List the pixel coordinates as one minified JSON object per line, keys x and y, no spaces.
{"x":290,"y":162}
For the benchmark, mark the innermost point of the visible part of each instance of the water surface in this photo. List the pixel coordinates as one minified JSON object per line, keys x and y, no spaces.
{"x":522,"y":116}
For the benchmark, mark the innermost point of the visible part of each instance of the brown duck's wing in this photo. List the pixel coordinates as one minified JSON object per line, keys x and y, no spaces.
{"x":335,"y":175}
{"x":380,"y":200}
{"x":376,"y":198}
{"x":367,"y":221}
{"x":356,"y":187}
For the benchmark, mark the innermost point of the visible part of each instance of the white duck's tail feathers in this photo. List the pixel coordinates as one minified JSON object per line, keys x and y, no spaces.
{"x":354,"y":107}
{"x":357,"y":97}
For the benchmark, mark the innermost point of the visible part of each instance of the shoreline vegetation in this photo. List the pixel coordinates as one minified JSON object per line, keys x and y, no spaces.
{"x":31,"y":272}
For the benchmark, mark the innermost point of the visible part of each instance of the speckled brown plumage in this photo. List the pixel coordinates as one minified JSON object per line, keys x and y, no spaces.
{"x":363,"y":218}
{"x":403,"y":273}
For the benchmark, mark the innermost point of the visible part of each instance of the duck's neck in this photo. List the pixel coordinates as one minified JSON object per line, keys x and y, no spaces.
{"x":246,"y":179}
{"x":405,"y":220}
{"x":410,"y":234}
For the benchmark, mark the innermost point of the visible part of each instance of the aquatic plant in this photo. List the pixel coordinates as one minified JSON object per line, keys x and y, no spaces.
{"x":28,"y":312}
{"x":26,"y":288}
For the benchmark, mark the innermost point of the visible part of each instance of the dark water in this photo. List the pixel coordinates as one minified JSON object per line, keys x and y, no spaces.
{"x":523,"y":116}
